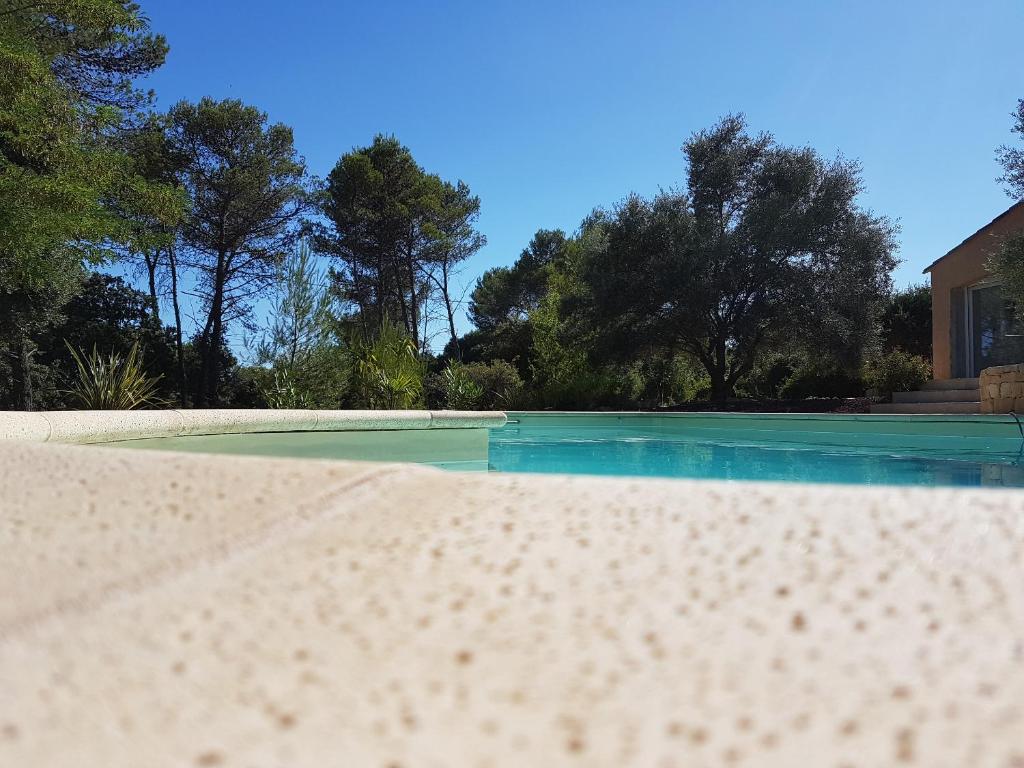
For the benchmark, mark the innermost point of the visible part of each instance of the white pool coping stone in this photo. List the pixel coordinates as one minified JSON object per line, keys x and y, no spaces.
{"x":168,"y":609}
{"x":111,"y":426}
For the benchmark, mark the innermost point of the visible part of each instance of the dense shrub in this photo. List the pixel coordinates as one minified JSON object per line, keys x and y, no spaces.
{"x":906,"y":321}
{"x":386,"y":371}
{"x":896,"y":371}
{"x":461,"y":392}
{"x":660,"y":381}
{"x":493,"y":386}
{"x":810,"y":380}
{"x":500,"y":384}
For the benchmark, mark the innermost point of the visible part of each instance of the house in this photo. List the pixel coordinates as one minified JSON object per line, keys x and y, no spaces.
{"x":972,"y":325}
{"x":973,"y":328}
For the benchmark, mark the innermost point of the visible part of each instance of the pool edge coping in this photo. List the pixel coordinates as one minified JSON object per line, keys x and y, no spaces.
{"x":84,"y":427}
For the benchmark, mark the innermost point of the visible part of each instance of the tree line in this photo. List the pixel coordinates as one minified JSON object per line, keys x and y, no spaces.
{"x":760,"y":276}
{"x":209,"y":198}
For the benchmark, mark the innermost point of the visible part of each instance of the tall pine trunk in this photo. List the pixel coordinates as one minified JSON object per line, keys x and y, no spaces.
{"x":179,"y":347}
{"x":21,"y":372}
{"x":446,"y":296}
{"x":210,"y":369}
{"x":152,"y":260}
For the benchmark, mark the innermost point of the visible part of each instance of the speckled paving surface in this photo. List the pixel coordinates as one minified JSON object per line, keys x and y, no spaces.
{"x":183,"y":610}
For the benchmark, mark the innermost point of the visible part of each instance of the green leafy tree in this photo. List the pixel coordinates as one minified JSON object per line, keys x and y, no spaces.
{"x":508,"y":294}
{"x":308,"y":365}
{"x":154,"y":242}
{"x":248,"y":191}
{"x":767,"y":248}
{"x":1012,"y":158}
{"x":397,"y":235}
{"x":907,"y":321}
{"x":454,"y":238}
{"x":504,"y":298}
{"x":1008,"y":261}
{"x":377,"y":200}
{"x":67,"y":191}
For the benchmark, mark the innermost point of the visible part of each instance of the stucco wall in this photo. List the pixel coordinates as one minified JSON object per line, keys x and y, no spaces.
{"x":963,"y":266}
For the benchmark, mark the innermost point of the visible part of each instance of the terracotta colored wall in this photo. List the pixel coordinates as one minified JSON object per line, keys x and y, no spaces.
{"x":965,"y":265}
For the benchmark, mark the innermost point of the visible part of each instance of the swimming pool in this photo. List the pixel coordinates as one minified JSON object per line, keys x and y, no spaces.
{"x":830,"y":448}
{"x":859,"y":449}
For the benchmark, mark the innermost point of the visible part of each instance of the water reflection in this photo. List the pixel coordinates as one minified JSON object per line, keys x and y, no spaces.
{"x":623,"y":452}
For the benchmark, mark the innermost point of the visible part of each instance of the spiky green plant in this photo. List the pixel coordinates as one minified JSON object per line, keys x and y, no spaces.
{"x":284,"y":393}
{"x":461,"y":393}
{"x":112,"y":382}
{"x":387,"y":371}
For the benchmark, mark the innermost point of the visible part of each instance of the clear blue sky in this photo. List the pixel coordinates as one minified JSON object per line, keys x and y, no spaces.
{"x":547,"y":109}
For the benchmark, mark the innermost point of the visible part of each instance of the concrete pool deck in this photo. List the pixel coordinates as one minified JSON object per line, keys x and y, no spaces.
{"x":170,"y":609}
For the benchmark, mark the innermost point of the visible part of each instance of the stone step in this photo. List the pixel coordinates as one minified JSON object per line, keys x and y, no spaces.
{"x":941,"y":384}
{"x":936,"y":408}
{"x":937,"y":396}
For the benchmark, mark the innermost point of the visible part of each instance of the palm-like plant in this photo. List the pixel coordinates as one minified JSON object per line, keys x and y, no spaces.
{"x":112,"y":383}
{"x":387,"y":370}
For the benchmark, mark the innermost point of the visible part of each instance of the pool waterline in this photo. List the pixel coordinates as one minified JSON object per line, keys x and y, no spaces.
{"x":821,"y":448}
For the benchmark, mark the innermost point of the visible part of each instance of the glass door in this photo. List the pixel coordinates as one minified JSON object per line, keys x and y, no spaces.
{"x":995,"y":335}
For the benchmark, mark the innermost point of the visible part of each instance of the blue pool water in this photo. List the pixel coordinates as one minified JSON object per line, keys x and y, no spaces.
{"x":871,"y":450}
{"x":972,"y":451}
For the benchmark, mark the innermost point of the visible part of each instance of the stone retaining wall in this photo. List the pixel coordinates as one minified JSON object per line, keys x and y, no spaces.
{"x":1002,"y":389}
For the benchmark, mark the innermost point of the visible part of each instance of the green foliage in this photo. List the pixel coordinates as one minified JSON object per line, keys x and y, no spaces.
{"x":461,"y":393}
{"x":492,"y":386}
{"x":109,"y":314}
{"x":68,"y":191}
{"x":766,"y":248}
{"x":821,"y":379}
{"x":906,"y":321}
{"x":1007,"y":264}
{"x":896,"y":371}
{"x":792,"y":376}
{"x":500,"y":384}
{"x":66,"y":70}
{"x":508,"y":294}
{"x":309,"y":367}
{"x":659,"y":381}
{"x":396,"y":233}
{"x":112,"y":383}
{"x":561,"y":374}
{"x":248,"y":191}
{"x":1012,"y":158}
{"x":283,"y":392}
{"x":386,"y":370}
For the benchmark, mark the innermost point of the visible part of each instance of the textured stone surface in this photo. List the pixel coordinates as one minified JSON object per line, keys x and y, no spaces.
{"x":103,"y":426}
{"x":111,"y":426}
{"x":180,"y":610}
{"x":19,"y":425}
{"x":1002,"y":389}
{"x":355,"y":420}
{"x":456,"y":419}
{"x":229,"y":420}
